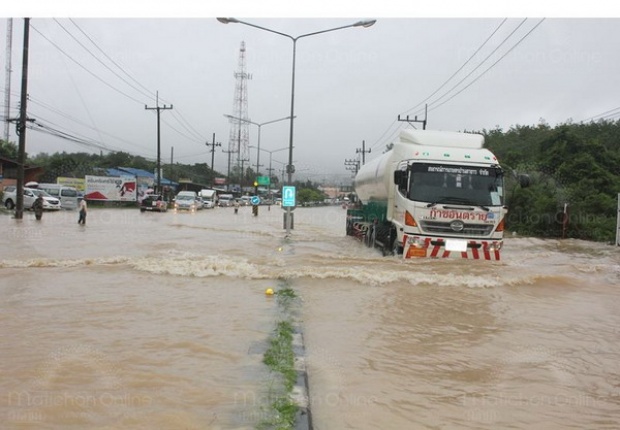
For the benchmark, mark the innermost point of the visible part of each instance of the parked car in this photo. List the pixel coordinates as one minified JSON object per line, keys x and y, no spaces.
{"x":9,"y":199}
{"x":50,"y":203}
{"x":153,"y":202}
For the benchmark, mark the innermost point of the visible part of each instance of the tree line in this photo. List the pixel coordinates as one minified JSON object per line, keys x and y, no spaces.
{"x":574,"y":169}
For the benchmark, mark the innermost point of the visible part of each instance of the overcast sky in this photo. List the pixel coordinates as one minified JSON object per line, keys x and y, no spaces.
{"x":351,"y":84}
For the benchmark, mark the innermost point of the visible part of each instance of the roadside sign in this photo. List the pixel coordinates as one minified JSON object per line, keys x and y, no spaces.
{"x":263,"y":180}
{"x":288,"y":196}
{"x":255,"y":200}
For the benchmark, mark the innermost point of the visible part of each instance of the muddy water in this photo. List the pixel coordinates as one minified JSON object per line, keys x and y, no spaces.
{"x":158,"y":320}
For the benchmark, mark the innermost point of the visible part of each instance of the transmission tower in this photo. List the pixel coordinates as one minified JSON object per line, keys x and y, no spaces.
{"x":7,"y":78}
{"x":238,"y":141}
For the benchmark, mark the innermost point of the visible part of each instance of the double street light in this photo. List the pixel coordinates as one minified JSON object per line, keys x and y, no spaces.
{"x":259,"y":125}
{"x":270,"y":169}
{"x":290,"y":169}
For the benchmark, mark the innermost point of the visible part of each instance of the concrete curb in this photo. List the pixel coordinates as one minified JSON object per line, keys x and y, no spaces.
{"x":300,"y":394}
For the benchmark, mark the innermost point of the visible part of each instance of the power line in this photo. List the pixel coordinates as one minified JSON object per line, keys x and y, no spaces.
{"x":607,"y":114}
{"x":492,"y":65}
{"x":187,"y":126}
{"x":434,"y":103}
{"x":101,"y":62}
{"x":381,"y":138}
{"x":480,"y":64}
{"x":85,"y":69}
{"x":70,"y":118}
{"x":462,"y":66}
{"x":146,"y":92}
{"x":112,"y":60}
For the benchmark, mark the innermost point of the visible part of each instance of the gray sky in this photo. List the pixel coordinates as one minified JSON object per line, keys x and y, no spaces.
{"x":351,"y":84}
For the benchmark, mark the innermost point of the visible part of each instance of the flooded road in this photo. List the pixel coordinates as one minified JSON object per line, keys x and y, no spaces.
{"x":148,"y":320}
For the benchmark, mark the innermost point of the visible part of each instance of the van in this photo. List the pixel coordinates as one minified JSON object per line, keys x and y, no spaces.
{"x":68,"y":196}
{"x":209,"y":197}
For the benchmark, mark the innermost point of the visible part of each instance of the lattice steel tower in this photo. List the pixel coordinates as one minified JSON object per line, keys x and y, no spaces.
{"x":238,"y":141}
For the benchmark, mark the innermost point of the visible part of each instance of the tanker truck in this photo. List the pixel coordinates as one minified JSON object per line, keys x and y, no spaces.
{"x":433,"y":194}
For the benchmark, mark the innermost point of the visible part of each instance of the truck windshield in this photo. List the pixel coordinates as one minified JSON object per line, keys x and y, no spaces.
{"x":444,"y":183}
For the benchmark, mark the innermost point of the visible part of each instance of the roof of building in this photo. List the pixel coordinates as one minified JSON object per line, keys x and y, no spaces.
{"x":124,"y":171}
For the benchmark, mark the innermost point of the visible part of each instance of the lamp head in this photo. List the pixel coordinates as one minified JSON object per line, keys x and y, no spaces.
{"x":364,"y":24}
{"x":228,"y":20}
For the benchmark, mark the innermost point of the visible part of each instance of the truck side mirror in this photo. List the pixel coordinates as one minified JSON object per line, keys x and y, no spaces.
{"x":524,"y":180}
{"x":400,"y":177}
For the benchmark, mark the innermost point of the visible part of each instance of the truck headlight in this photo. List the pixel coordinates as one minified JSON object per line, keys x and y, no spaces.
{"x":415,"y":241}
{"x":495,"y":246}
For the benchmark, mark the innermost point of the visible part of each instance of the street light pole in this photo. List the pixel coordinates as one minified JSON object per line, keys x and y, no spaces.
{"x":290,"y":169}
{"x":259,"y":125}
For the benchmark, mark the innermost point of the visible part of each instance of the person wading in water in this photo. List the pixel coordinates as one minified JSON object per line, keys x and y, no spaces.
{"x":38,"y":207}
{"x":83,"y":209}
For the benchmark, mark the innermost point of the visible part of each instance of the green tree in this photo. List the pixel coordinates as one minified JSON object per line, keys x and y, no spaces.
{"x":8,"y":150}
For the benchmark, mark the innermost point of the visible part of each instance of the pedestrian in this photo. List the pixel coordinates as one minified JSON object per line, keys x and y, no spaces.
{"x":83,"y":209}
{"x":38,"y":207}
{"x":236,"y":205}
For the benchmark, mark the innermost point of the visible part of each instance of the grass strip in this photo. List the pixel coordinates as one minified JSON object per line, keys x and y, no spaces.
{"x":280,"y":358}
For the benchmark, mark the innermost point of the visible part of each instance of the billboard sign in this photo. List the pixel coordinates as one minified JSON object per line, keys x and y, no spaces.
{"x":77,"y":183}
{"x":110,"y":188}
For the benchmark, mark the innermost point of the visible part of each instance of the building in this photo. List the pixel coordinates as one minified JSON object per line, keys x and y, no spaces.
{"x":8,"y":172}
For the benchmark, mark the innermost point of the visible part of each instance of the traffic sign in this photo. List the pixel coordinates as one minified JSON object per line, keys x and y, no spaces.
{"x":288,"y":196}
{"x":255,"y":200}
{"x":263,"y":180}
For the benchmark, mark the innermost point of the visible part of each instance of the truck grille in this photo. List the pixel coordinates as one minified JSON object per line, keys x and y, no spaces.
{"x":445,"y":228}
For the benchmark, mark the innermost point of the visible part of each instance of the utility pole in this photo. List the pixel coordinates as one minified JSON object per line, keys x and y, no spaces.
{"x":7,"y":79}
{"x":21,"y":125}
{"x":228,"y":171}
{"x":363,"y":151}
{"x":415,"y":119}
{"x":213,"y":145}
{"x":242,"y":174}
{"x":158,"y":109}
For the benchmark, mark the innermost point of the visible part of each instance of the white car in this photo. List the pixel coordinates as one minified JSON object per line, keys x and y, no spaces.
{"x":185,"y":202}
{"x":9,"y":199}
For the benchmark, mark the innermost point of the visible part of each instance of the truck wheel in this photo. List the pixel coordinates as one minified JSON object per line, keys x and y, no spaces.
{"x":9,"y":204}
{"x":397,"y":249}
{"x":371,"y":236}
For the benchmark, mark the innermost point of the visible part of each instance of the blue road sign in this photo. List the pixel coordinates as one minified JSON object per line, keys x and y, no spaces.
{"x":288,"y":196}
{"x":255,"y":200}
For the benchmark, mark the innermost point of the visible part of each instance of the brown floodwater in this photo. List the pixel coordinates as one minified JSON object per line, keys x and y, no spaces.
{"x":148,"y":320}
